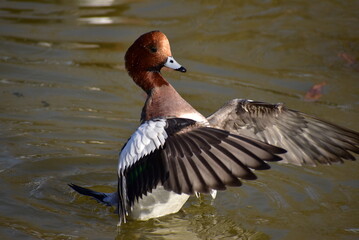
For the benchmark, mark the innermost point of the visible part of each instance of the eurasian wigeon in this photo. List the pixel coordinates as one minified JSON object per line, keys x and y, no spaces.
{"x":177,"y":152}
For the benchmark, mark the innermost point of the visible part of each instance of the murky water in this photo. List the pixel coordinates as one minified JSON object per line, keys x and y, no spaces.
{"x":67,"y":106}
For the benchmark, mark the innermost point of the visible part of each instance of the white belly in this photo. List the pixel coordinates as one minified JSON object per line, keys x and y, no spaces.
{"x":158,"y":203}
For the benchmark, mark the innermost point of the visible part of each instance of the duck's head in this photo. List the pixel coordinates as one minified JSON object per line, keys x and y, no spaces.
{"x":149,"y":53}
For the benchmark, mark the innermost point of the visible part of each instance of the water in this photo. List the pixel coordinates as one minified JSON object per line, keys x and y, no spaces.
{"x":67,"y":106}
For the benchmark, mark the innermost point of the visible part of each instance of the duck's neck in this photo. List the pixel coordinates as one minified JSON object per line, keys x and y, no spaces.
{"x":149,"y":80}
{"x":165,"y":101}
{"x":162,"y":99}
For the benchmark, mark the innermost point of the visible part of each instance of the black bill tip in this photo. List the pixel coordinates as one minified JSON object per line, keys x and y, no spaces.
{"x":181,"y":69}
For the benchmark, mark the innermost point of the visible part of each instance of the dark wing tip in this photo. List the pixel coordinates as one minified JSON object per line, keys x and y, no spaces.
{"x":277,"y":158}
{"x":279,"y":150}
{"x":250,"y":176}
{"x":265,"y":166}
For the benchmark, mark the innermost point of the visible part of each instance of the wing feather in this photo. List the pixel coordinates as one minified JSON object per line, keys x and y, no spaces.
{"x":308,"y":140}
{"x":186,"y":157}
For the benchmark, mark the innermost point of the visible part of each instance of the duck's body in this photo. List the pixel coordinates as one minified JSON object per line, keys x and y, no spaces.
{"x":177,"y":152}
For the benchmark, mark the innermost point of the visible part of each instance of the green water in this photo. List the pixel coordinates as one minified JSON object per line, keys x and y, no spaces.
{"x":67,"y":106}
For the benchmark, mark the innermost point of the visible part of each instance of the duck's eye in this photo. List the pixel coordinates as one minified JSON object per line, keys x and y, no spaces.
{"x":153,"y":49}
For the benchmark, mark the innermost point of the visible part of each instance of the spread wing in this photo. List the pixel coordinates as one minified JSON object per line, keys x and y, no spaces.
{"x":308,"y":140}
{"x":186,"y":158}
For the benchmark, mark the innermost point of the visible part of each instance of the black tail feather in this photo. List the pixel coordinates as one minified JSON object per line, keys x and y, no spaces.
{"x":88,"y":192}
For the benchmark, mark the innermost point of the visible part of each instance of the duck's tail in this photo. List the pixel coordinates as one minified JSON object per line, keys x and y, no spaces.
{"x":110,"y":199}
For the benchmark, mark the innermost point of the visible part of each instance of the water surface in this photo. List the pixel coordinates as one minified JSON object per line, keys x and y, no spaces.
{"x":67,"y":106}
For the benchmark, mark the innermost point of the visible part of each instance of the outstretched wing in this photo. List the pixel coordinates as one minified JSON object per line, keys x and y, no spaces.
{"x":186,"y":158}
{"x":308,"y":140}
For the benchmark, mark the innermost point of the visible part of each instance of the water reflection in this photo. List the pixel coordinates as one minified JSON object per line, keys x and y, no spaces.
{"x":199,"y":220}
{"x":97,"y":3}
{"x":67,"y":106}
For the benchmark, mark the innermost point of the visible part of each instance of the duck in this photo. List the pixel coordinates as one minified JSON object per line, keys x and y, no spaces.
{"x":177,"y":152}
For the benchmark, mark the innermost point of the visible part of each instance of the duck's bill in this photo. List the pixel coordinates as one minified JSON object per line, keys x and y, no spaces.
{"x":172,"y":63}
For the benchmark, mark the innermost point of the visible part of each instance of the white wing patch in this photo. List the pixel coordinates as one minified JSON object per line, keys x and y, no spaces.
{"x":151,"y":135}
